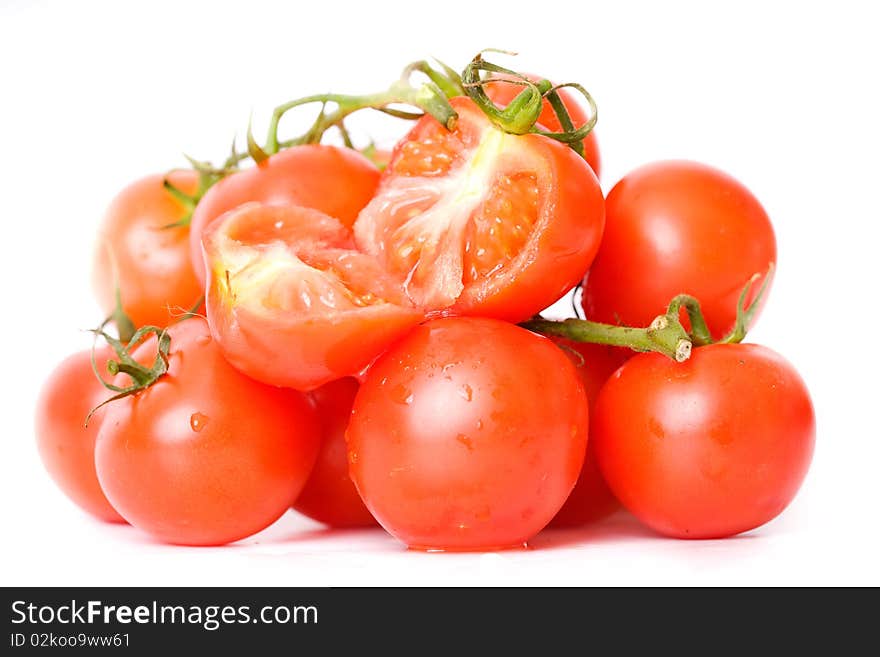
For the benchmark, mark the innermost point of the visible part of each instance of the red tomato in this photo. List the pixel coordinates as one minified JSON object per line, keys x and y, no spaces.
{"x":591,"y":499}
{"x":676,"y":227}
{"x":330,"y":496}
{"x":149,"y":262}
{"x":468,"y":434}
{"x":502,"y":93}
{"x":290,"y":301}
{"x":336,"y":181}
{"x":707,"y":448}
{"x":475,"y":221}
{"x":205,"y":456}
{"x":66,"y":446}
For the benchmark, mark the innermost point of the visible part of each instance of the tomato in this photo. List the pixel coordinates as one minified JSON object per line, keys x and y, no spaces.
{"x":475,"y":221}
{"x":336,"y":181}
{"x":290,"y":301}
{"x":205,"y":456}
{"x":591,"y":499}
{"x":501,"y":93}
{"x":330,"y":496}
{"x":468,"y":434}
{"x":676,"y":227}
{"x":708,"y":448}
{"x":148,"y":260}
{"x":66,"y":446}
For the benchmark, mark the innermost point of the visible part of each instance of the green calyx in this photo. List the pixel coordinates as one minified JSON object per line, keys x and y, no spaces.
{"x":521,"y":115}
{"x":142,"y":377}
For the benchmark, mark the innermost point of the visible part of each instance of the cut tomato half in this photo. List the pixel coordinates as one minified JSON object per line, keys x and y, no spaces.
{"x":337,"y":181}
{"x":292,"y":303}
{"x":476,"y":221}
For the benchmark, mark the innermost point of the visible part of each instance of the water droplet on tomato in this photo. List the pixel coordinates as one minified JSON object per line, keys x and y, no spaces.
{"x":466,"y":441}
{"x":466,"y":392}
{"x":401,"y":394}
{"x":203,"y":339}
{"x":197,"y":421}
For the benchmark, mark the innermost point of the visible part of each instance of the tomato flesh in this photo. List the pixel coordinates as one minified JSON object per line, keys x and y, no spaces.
{"x":292,"y":303}
{"x":336,"y":181}
{"x":477,"y":221}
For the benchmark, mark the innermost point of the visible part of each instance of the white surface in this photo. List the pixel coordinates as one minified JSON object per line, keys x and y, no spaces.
{"x":95,"y":95}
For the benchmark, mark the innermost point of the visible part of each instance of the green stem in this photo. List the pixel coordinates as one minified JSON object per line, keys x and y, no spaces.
{"x":446,"y":79}
{"x":700,"y":334}
{"x":427,"y":97}
{"x":665,"y":335}
{"x":745,"y":315}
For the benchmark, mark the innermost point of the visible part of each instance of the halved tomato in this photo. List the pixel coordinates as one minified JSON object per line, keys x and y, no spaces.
{"x":292,"y":303}
{"x":475,"y":221}
{"x":337,"y":181}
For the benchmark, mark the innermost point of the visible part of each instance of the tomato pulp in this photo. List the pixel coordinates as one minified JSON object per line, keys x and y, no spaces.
{"x":336,"y":181}
{"x":475,"y":221}
{"x":292,"y":303}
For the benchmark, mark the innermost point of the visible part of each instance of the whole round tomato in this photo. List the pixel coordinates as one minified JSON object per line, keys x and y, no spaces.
{"x":204,"y":456}
{"x":708,"y":448}
{"x":292,"y":303}
{"x":475,"y":221}
{"x":675,"y":227}
{"x":336,"y":181}
{"x":468,"y":434}
{"x":66,"y":445}
{"x":501,"y":93}
{"x":139,"y":251}
{"x":591,"y":499}
{"x":330,"y":496}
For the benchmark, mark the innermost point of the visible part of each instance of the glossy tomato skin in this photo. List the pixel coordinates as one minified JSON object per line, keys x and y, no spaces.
{"x":330,"y":496}
{"x":478,"y":222}
{"x":502,"y":93}
{"x":149,"y":260}
{"x":591,"y":500}
{"x":66,"y":446}
{"x":336,"y":181}
{"x":290,"y":301}
{"x":674,"y":227}
{"x":205,"y":456}
{"x":453,"y":444}
{"x":708,"y":448}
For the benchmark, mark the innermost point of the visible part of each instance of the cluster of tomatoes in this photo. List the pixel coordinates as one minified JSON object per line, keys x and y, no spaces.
{"x":370,"y":348}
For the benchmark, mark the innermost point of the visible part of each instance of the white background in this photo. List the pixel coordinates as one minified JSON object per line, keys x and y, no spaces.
{"x":95,"y":95}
